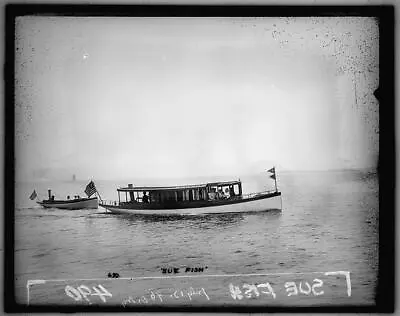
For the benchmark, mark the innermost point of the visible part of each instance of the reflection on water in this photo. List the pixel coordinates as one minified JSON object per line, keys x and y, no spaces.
{"x":205,"y":221}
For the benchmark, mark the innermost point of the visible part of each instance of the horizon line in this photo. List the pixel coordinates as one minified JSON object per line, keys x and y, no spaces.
{"x":78,"y":179}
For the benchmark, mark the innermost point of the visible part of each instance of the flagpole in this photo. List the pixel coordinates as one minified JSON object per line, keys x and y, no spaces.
{"x":99,"y":195}
{"x":97,"y":192}
{"x":276,"y":188}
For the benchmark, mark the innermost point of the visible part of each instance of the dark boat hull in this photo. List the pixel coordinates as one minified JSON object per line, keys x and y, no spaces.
{"x":257,"y":203}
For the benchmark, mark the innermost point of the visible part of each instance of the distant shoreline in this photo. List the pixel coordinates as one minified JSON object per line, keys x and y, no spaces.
{"x":200,"y":178}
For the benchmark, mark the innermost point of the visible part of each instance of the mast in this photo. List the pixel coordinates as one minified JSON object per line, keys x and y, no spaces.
{"x":273,"y":176}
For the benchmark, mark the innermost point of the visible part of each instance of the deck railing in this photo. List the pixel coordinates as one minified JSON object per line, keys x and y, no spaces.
{"x":109,"y":202}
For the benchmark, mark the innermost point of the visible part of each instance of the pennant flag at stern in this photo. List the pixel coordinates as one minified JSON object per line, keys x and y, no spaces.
{"x":272,"y":170}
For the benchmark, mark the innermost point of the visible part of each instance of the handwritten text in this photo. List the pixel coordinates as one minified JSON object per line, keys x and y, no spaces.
{"x":156,"y":296}
{"x":185,"y":270}
{"x":82,"y":292}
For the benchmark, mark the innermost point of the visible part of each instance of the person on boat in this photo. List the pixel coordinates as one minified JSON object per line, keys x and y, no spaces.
{"x":145,"y":198}
{"x":231,"y":191}
{"x":52,"y":197}
{"x":227,"y":195}
{"x":68,"y":197}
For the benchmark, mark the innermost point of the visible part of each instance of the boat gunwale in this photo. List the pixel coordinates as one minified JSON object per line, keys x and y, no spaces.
{"x":47,"y":202}
{"x":191,"y":204}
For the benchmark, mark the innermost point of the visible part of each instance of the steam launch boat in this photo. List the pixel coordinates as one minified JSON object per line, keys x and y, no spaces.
{"x":76,"y":203}
{"x":207,"y":198}
{"x":71,"y":204}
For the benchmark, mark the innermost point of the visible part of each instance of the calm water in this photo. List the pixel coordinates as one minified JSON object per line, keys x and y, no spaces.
{"x":329,"y":222}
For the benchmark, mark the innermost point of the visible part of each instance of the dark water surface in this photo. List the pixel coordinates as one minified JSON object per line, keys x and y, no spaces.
{"x":329,"y":222}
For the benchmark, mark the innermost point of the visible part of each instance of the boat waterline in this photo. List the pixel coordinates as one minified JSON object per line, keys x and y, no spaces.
{"x":254,"y":205}
{"x":91,"y":203}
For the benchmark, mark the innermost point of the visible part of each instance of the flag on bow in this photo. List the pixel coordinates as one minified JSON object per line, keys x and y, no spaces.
{"x":90,"y":189}
{"x":33,"y":195}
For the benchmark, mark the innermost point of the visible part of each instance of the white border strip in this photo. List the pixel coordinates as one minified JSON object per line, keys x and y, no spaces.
{"x":345,"y":273}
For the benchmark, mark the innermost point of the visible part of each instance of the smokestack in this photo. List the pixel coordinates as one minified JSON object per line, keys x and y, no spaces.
{"x":49,"y":193}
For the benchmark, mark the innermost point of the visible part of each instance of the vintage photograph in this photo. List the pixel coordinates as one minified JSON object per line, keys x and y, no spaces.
{"x":196,"y":161}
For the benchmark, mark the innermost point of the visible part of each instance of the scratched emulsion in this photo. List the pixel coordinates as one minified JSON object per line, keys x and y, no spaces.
{"x":329,"y":223}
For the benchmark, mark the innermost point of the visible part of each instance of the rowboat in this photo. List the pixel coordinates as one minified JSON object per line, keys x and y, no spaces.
{"x":73,"y":204}
{"x":206,"y":198}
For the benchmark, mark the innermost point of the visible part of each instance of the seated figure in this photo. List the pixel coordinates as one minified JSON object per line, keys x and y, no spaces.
{"x":145,"y":198}
{"x":227,"y":195}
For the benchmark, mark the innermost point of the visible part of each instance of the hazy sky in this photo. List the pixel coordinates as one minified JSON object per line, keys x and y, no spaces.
{"x":116,"y":98}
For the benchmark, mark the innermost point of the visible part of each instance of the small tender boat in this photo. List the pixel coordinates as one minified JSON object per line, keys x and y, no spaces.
{"x":207,"y":198}
{"x":73,"y":204}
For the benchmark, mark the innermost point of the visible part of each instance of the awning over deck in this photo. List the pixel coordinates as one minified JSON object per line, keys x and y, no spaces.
{"x":176,"y":188}
{"x":170,"y":188}
{"x":224,"y":183}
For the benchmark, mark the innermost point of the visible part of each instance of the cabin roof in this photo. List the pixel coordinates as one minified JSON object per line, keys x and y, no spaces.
{"x":170,"y":188}
{"x":223,"y":183}
{"x":176,"y":188}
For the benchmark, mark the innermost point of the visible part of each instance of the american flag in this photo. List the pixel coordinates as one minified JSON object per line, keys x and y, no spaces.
{"x":90,"y":189}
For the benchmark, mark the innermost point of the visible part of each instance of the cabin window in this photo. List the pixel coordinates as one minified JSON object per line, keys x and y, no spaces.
{"x":190,"y":195}
{"x":162,"y":197}
{"x":179,"y":196}
{"x":170,"y":196}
